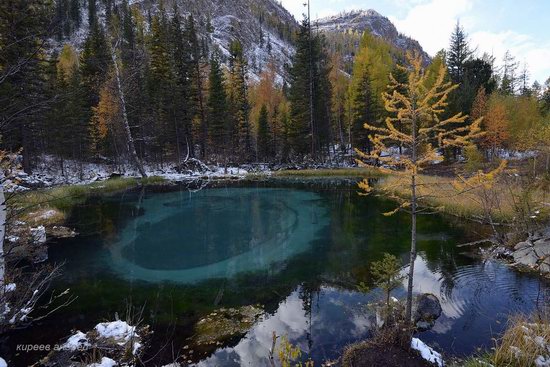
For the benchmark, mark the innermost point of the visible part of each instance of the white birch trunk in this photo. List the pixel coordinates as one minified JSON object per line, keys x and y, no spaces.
{"x":127,"y":131}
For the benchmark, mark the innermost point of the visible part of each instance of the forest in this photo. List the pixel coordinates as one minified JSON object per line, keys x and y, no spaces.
{"x":147,"y":88}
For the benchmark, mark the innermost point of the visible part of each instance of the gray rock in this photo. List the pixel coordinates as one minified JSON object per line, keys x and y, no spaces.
{"x":544,"y":267}
{"x":526,"y":256}
{"x":542,"y":247}
{"x":427,"y":309}
{"x":523,"y":245}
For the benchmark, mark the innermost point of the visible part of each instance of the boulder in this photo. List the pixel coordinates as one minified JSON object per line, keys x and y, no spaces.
{"x":526,"y":256}
{"x":426,"y":310}
{"x":542,"y":247}
{"x":544,"y":267}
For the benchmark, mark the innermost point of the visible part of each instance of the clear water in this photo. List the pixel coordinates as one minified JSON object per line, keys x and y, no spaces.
{"x":296,"y":247}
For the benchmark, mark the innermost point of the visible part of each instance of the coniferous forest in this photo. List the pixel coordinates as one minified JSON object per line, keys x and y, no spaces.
{"x":147,"y":86}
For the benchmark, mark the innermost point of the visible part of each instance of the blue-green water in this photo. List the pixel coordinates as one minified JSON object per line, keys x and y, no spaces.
{"x":297,"y":248}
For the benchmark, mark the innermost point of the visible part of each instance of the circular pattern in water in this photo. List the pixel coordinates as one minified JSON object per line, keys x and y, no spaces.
{"x":216,"y":233}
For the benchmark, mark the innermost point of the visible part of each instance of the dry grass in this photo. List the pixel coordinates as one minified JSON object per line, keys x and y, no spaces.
{"x":501,"y":199}
{"x":51,"y":206}
{"x":525,"y":341}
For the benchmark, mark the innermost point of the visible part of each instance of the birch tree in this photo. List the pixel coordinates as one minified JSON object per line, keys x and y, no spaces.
{"x":122,"y":98}
{"x":423,"y":133}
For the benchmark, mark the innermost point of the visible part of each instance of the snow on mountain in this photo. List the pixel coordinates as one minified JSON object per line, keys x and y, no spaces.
{"x":264,"y":27}
{"x":372,"y":21}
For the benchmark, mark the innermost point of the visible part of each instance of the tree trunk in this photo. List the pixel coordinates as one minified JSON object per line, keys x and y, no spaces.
{"x":408,"y":316}
{"x":127,"y":131}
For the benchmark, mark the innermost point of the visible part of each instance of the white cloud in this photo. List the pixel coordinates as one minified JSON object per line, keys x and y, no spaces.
{"x":431,"y":22}
{"x":523,"y":47}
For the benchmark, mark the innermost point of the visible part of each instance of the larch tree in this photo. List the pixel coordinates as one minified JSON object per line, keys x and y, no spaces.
{"x":496,"y":127}
{"x":263,"y":140}
{"x":418,"y":109}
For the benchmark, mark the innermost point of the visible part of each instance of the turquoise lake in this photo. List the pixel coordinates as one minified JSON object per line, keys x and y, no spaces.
{"x":297,"y":247}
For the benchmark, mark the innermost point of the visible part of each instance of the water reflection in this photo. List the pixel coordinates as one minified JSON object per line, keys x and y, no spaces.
{"x":474,"y":311}
{"x":297,"y":248}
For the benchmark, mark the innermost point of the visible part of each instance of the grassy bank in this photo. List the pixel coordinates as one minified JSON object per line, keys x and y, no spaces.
{"x":502,"y":199}
{"x":437,"y":192}
{"x":336,"y":172}
{"x":52,"y":206}
{"x":524,"y":344}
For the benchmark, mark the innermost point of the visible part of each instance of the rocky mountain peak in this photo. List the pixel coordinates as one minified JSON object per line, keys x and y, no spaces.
{"x":373,"y":22}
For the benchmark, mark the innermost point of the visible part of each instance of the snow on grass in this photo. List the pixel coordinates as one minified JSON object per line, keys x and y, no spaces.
{"x":76,"y":342}
{"x":118,"y":330}
{"x":426,"y":352}
{"x":105,"y":362}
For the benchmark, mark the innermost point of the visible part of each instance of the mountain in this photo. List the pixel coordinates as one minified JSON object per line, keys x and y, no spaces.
{"x":359,"y":21}
{"x":264,"y":27}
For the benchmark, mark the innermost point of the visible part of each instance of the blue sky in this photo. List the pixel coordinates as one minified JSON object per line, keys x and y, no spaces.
{"x":494,"y":26}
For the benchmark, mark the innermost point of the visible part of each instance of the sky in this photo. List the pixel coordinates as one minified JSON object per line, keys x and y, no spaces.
{"x":493,"y":26}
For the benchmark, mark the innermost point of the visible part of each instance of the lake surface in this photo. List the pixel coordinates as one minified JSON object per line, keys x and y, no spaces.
{"x":298,"y":248}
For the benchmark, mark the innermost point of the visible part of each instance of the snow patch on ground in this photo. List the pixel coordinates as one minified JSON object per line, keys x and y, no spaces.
{"x":427,"y":352}
{"x":76,"y":342}
{"x":105,"y":362}
{"x":120,"y":332}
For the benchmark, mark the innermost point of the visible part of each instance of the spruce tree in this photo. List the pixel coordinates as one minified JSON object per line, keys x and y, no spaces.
{"x":362,"y":111}
{"x":217,"y":107}
{"x":309,"y":130}
{"x":459,"y":52}
{"x":182,"y":93}
{"x":240,"y":126}
{"x":197,"y":102}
